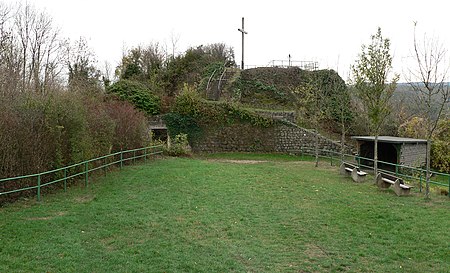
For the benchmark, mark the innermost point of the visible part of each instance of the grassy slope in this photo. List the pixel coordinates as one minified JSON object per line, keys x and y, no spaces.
{"x":184,"y":215}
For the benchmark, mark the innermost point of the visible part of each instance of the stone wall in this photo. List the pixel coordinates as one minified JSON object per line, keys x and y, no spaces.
{"x":236,"y":138}
{"x":291,"y":138}
{"x":283,"y":137}
{"x":413,"y":154}
{"x":279,"y":115}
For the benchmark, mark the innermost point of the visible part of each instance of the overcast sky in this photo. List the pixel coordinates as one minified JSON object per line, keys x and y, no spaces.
{"x":329,"y":32}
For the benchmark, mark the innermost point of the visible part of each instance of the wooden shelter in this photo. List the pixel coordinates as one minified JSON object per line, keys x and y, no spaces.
{"x":397,"y":150}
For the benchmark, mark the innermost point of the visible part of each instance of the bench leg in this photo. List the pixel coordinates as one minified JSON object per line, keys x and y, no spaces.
{"x":380,"y":183}
{"x":401,"y":191}
{"x":356,"y":177}
{"x":343,"y":171}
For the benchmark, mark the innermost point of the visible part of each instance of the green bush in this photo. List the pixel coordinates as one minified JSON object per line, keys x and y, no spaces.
{"x":189,"y":103}
{"x":182,"y":124}
{"x":137,"y":94}
{"x":179,"y":146}
{"x":440,"y":156}
{"x":440,"y":149}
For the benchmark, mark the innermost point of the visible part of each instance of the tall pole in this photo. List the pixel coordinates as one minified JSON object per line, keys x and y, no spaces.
{"x":243,"y":32}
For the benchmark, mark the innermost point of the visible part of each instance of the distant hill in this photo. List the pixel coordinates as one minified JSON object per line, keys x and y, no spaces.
{"x":405,"y":95}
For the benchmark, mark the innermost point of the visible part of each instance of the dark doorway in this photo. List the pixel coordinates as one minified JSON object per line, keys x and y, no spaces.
{"x":387,"y":152}
{"x":159,"y":134}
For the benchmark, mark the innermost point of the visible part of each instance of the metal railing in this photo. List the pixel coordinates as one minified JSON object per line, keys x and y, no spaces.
{"x":411,"y":174}
{"x":39,"y":180}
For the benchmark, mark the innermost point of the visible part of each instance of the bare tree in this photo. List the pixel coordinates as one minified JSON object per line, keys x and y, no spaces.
{"x":429,"y":79}
{"x":81,"y":64}
{"x":174,"y":39}
{"x":40,"y":49}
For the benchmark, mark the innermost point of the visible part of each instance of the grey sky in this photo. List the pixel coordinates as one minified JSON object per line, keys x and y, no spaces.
{"x":330,"y":32}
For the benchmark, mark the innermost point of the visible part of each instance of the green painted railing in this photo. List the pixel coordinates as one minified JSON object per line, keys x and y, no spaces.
{"x":409,"y":173}
{"x":79,"y":170}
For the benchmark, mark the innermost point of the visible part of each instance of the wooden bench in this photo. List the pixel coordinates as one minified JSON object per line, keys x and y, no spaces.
{"x":385,"y":180}
{"x":353,"y":171}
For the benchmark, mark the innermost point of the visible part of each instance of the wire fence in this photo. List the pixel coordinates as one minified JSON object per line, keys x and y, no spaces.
{"x":408,"y":173}
{"x":76,"y":171}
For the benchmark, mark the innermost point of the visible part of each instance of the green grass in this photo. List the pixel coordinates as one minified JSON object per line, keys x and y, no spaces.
{"x":193,"y":215}
{"x":256,"y":156}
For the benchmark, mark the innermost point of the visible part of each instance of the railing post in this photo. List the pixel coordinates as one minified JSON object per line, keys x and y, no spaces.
{"x":39,"y":188}
{"x":104,"y":166}
{"x":86,"y":174}
{"x":145,"y":154}
{"x":396,"y":169}
{"x":65,"y":179}
{"x":134,"y":157}
{"x":331,"y":158}
{"x":121,"y":159}
{"x":420,"y":181}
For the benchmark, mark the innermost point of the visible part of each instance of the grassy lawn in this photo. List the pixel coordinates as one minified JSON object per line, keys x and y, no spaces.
{"x":197,"y":215}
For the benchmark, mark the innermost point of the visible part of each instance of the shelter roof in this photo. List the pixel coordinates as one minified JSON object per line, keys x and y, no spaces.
{"x":390,"y":139}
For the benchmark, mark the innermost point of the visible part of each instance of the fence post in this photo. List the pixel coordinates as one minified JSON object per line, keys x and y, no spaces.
{"x":86,"y":174}
{"x":134,"y":157}
{"x":39,"y":188}
{"x":420,"y":181}
{"x":396,"y":169}
{"x":104,"y":166}
{"x":331,"y":158}
{"x":145,"y":154}
{"x":65,"y":179}
{"x":121,"y":159}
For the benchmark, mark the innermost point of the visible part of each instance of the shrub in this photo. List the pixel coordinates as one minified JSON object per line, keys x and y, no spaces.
{"x":179,"y":146}
{"x":130,"y":126}
{"x":137,"y":94}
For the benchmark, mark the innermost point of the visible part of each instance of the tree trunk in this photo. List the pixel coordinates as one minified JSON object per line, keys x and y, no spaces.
{"x":342,"y":142}
{"x":316,"y":144}
{"x":428,"y":172}
{"x":375,"y":157}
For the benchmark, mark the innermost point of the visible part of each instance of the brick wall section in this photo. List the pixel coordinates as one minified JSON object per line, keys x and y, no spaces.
{"x":413,"y":154}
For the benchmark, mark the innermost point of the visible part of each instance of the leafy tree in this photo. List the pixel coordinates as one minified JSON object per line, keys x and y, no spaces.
{"x":153,"y":67}
{"x":373,"y":87}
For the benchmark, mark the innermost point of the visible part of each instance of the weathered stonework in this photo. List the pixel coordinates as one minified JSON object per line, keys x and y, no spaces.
{"x":293,"y":138}
{"x":236,"y":138}
{"x":279,"y":115}
{"x":247,"y":138}
{"x":413,"y":154}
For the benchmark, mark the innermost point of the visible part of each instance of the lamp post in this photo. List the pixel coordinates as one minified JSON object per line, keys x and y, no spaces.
{"x":243,"y":32}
